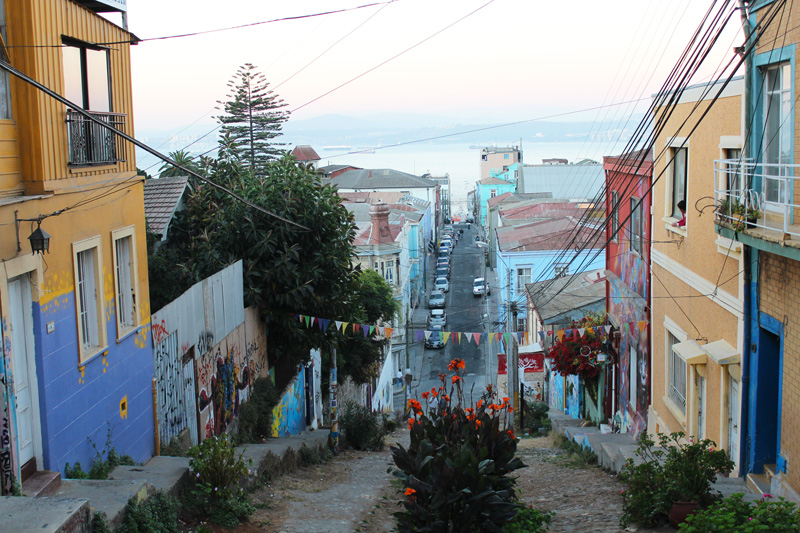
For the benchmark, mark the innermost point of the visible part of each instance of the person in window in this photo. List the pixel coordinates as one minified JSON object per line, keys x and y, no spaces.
{"x":682,"y":222}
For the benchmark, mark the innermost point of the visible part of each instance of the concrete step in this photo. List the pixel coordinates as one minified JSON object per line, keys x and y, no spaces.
{"x":106,"y":496}
{"x":758,"y":484}
{"x":44,"y":515}
{"x":168,"y":474}
{"x":41,"y":483}
{"x":770,"y":471}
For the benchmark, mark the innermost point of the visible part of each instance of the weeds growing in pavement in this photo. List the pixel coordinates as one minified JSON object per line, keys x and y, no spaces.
{"x":104,"y":462}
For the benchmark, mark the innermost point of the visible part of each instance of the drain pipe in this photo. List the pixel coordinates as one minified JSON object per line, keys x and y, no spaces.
{"x":155,"y":417}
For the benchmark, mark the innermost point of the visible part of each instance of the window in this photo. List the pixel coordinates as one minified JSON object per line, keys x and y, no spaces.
{"x":492,"y":193}
{"x":560,"y":270}
{"x":505,"y":156}
{"x":633,"y":365}
{"x":89,"y":297}
{"x":125,"y":279}
{"x":778,"y":129}
{"x":677,"y":374}
{"x":614,"y":215}
{"x":87,"y":81}
{"x":389,"y":272}
{"x":733,"y":172}
{"x":678,"y":180}
{"x":637,"y":228}
{"x":523,"y":277}
{"x":5,"y":93}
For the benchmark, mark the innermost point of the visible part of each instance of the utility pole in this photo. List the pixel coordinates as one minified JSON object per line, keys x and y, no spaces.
{"x":407,"y":376}
{"x":515,"y":364}
{"x":334,"y":407}
{"x":511,"y":385}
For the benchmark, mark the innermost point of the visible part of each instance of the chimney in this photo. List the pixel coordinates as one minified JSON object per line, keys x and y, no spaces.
{"x":379,"y":214}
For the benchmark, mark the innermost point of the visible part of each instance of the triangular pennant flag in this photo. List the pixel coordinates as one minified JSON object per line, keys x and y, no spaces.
{"x":323,"y":324}
{"x":581,"y":331}
{"x":301,"y":317}
{"x":642,"y":325}
{"x":344,"y":326}
{"x":420,"y":334}
{"x":457,"y":337}
{"x":568,"y":332}
{"x":477,"y":337}
{"x":632,"y":326}
{"x":576,"y":335}
{"x":626,"y":327}
{"x":356,"y":327}
{"x":371,"y":330}
{"x":507,"y":338}
{"x":388,"y":332}
{"x":598,"y":330}
{"x":607,"y":328}
{"x":381,"y":331}
{"x":519,"y":337}
{"x":427,"y":334}
{"x":560,"y":334}
{"x":492,"y":337}
{"x":445,"y":336}
{"x":308,"y":321}
{"x":338,"y":325}
{"x":365,"y":330}
{"x":541,"y":335}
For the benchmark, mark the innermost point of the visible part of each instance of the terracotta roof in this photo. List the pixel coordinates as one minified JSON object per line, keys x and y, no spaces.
{"x":162,"y":196}
{"x":304,"y":152}
{"x":545,"y":210}
{"x":638,"y":162}
{"x":549,"y":234}
{"x":491,"y":202}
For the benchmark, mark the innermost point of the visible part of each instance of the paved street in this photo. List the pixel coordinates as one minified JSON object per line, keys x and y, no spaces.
{"x":464,"y":314}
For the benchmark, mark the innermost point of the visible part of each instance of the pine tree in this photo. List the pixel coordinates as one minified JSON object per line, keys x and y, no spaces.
{"x":253,"y":118}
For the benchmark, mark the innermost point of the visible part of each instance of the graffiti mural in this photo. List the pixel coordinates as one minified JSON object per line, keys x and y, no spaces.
{"x":221,"y":388}
{"x":288,"y":418}
{"x":556,"y":390}
{"x":574,"y":393}
{"x":8,"y":409}
{"x":170,"y":397}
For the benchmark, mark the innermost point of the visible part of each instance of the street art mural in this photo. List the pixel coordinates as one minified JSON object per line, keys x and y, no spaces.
{"x":223,"y":383}
{"x":531,"y":372}
{"x":289,"y":417}
{"x":574,"y":395}
{"x":555,"y":390}
{"x":170,"y":397}
{"x":8,"y":468}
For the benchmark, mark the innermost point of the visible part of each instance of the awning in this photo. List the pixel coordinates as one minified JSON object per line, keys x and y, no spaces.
{"x":690,"y":352}
{"x":722,"y":353}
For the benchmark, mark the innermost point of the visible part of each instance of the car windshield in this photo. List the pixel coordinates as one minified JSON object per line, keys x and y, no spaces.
{"x":478,"y":282}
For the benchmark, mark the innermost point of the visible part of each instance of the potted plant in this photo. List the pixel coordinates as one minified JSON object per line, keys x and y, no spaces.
{"x":723,"y":210}
{"x":752,"y":215}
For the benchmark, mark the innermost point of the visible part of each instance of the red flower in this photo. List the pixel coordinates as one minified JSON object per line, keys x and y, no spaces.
{"x":424,"y":395}
{"x":456,"y":363}
{"x":456,"y":379}
{"x":479,"y":404}
{"x":411,"y":493}
{"x":415,"y":406}
{"x":511,"y":434}
{"x":433,"y":393}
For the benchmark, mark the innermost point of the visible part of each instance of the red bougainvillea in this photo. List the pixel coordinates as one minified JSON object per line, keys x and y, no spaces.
{"x":567,"y":357}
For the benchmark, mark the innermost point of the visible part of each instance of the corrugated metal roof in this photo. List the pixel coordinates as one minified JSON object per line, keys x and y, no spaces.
{"x":161,"y":198}
{"x":565,"y":294}
{"x":381,"y":178}
{"x":549,"y":234}
{"x":564,"y":181}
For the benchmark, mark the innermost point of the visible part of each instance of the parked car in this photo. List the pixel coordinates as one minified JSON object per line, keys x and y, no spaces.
{"x":442,"y":272}
{"x":443,"y":261}
{"x":445,"y":250}
{"x":441,"y":284}
{"x":436,"y":300}
{"x":470,"y":220}
{"x":435,"y":339}
{"x":480,"y":286}
{"x":437,"y":317}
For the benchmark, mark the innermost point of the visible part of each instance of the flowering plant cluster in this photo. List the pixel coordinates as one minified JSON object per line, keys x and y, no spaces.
{"x":568,"y":359}
{"x":735,"y":514}
{"x":456,"y":468}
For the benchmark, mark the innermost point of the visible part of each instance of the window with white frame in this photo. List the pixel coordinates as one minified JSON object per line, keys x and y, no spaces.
{"x":637,"y":226}
{"x":125,"y":278}
{"x":89,"y":296}
{"x":560,"y":270}
{"x":778,"y":130}
{"x":492,"y":193}
{"x":614,"y":215}
{"x":677,"y":374}
{"x":388,"y":273}
{"x":679,"y":172}
{"x":523,"y":277}
{"x":733,"y":172}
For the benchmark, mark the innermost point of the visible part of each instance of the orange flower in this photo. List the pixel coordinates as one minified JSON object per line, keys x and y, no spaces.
{"x":415,"y":406}
{"x":411,"y":492}
{"x":445,"y":397}
{"x":511,"y":434}
{"x":471,"y":417}
{"x":456,"y":363}
{"x":489,"y":388}
{"x":433,"y":393}
{"x":469,"y":410}
{"x":506,"y":399}
{"x":479,"y":404}
{"x":477,"y":423}
{"x":424,"y":395}
{"x":410,"y":423}
{"x":456,"y":379}
{"x":494,"y":407}
{"x":442,"y":377}
{"x":510,"y":409}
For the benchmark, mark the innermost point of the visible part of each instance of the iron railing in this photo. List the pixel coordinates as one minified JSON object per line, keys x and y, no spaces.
{"x":92,"y":144}
{"x":756,"y":195}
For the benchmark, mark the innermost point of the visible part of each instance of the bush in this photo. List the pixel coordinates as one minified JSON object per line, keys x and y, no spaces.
{"x":255,"y":415}
{"x":361,"y":427}
{"x":735,"y":515}
{"x":158,"y":513}
{"x":314,"y":456}
{"x":529,"y":520}
{"x":217,"y":473}
{"x":536,"y":416}
{"x":456,"y":469}
{"x":104,"y":462}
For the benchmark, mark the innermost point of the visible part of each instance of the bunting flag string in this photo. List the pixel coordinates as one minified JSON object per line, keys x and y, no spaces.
{"x":459,"y":337}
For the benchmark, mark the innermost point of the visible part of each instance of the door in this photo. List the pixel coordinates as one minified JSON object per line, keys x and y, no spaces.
{"x":26,"y":393}
{"x":733,"y":421}
{"x":701,"y":400}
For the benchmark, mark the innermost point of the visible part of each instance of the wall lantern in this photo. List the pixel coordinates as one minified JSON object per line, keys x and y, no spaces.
{"x":40,"y":239}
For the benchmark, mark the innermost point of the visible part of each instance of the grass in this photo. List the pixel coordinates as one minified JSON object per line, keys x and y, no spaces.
{"x":576,"y":455}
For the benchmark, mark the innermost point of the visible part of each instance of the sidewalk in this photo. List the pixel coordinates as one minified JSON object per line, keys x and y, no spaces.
{"x":72,"y":505}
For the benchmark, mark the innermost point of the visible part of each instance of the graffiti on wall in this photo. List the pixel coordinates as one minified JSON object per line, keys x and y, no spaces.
{"x":574,"y":390}
{"x":171,"y":400}
{"x":8,"y":468}
{"x":222,"y":387}
{"x":556,"y":390}
{"x":288,"y":418}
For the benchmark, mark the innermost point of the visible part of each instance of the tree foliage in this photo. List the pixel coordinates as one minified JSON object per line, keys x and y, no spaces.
{"x":181,"y":157}
{"x":253,"y":117}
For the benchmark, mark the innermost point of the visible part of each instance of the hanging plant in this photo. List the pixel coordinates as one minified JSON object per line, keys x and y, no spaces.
{"x":573,"y":357}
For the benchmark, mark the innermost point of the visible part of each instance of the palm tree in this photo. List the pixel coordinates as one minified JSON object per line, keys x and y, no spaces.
{"x":182,"y":158}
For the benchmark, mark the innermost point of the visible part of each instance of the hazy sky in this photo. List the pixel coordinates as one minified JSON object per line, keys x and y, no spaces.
{"x":510,"y":60}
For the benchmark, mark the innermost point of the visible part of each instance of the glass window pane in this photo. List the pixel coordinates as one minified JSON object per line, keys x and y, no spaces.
{"x":73,"y":79}
{"x":98,"y":82}
{"x":678,"y":180}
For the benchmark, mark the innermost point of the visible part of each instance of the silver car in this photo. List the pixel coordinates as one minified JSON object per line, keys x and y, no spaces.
{"x":436,"y":300}
{"x":437,"y":317}
{"x":441,"y":284}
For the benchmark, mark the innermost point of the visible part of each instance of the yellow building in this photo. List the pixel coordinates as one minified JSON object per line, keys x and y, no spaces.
{"x":78,"y":359}
{"x":697,"y":281}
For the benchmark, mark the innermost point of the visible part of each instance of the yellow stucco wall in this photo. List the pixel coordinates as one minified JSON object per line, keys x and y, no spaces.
{"x":690,"y":264}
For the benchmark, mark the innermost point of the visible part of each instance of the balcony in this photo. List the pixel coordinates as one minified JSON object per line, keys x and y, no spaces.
{"x":755,"y":203}
{"x":92,"y":144}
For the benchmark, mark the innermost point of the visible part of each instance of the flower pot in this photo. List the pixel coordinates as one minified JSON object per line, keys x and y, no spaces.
{"x":680,"y":510}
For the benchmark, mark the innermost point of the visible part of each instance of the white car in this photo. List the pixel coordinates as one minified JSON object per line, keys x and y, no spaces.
{"x":437,"y":318}
{"x":480,"y":286}
{"x":441,"y":284}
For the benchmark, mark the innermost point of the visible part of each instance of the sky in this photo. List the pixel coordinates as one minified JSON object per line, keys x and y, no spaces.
{"x":507,"y":60}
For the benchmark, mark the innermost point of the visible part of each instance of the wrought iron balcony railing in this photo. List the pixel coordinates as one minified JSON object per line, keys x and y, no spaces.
{"x":752,"y":195}
{"x":92,"y":144}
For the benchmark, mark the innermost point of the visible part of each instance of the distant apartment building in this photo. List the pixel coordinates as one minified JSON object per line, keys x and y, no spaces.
{"x":444,"y":194}
{"x":494,"y":159}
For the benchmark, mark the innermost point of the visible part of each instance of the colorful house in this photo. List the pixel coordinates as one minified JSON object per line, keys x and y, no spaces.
{"x":77,"y":364}
{"x":756,"y":191}
{"x":628,"y":180}
{"x":697,"y":323}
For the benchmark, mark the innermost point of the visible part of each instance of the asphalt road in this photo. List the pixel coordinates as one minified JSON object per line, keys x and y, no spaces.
{"x":465,"y":313}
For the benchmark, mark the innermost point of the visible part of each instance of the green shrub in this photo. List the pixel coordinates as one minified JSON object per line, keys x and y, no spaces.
{"x":389,"y":423}
{"x":255,"y":415}
{"x":735,"y":515}
{"x":101,"y":468}
{"x":175,"y":448}
{"x":536,"y":416}
{"x":362,"y":429}
{"x":577,"y":455}
{"x":158,"y":513}
{"x":314,"y":456}
{"x":99,"y":523}
{"x":456,"y":468}
{"x":217,"y":472}
{"x":529,"y":520}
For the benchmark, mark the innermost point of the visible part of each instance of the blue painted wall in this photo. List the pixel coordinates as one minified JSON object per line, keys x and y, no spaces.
{"x":80,"y":403}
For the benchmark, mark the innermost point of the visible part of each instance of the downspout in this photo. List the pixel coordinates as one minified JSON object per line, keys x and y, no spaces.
{"x":744,"y":437}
